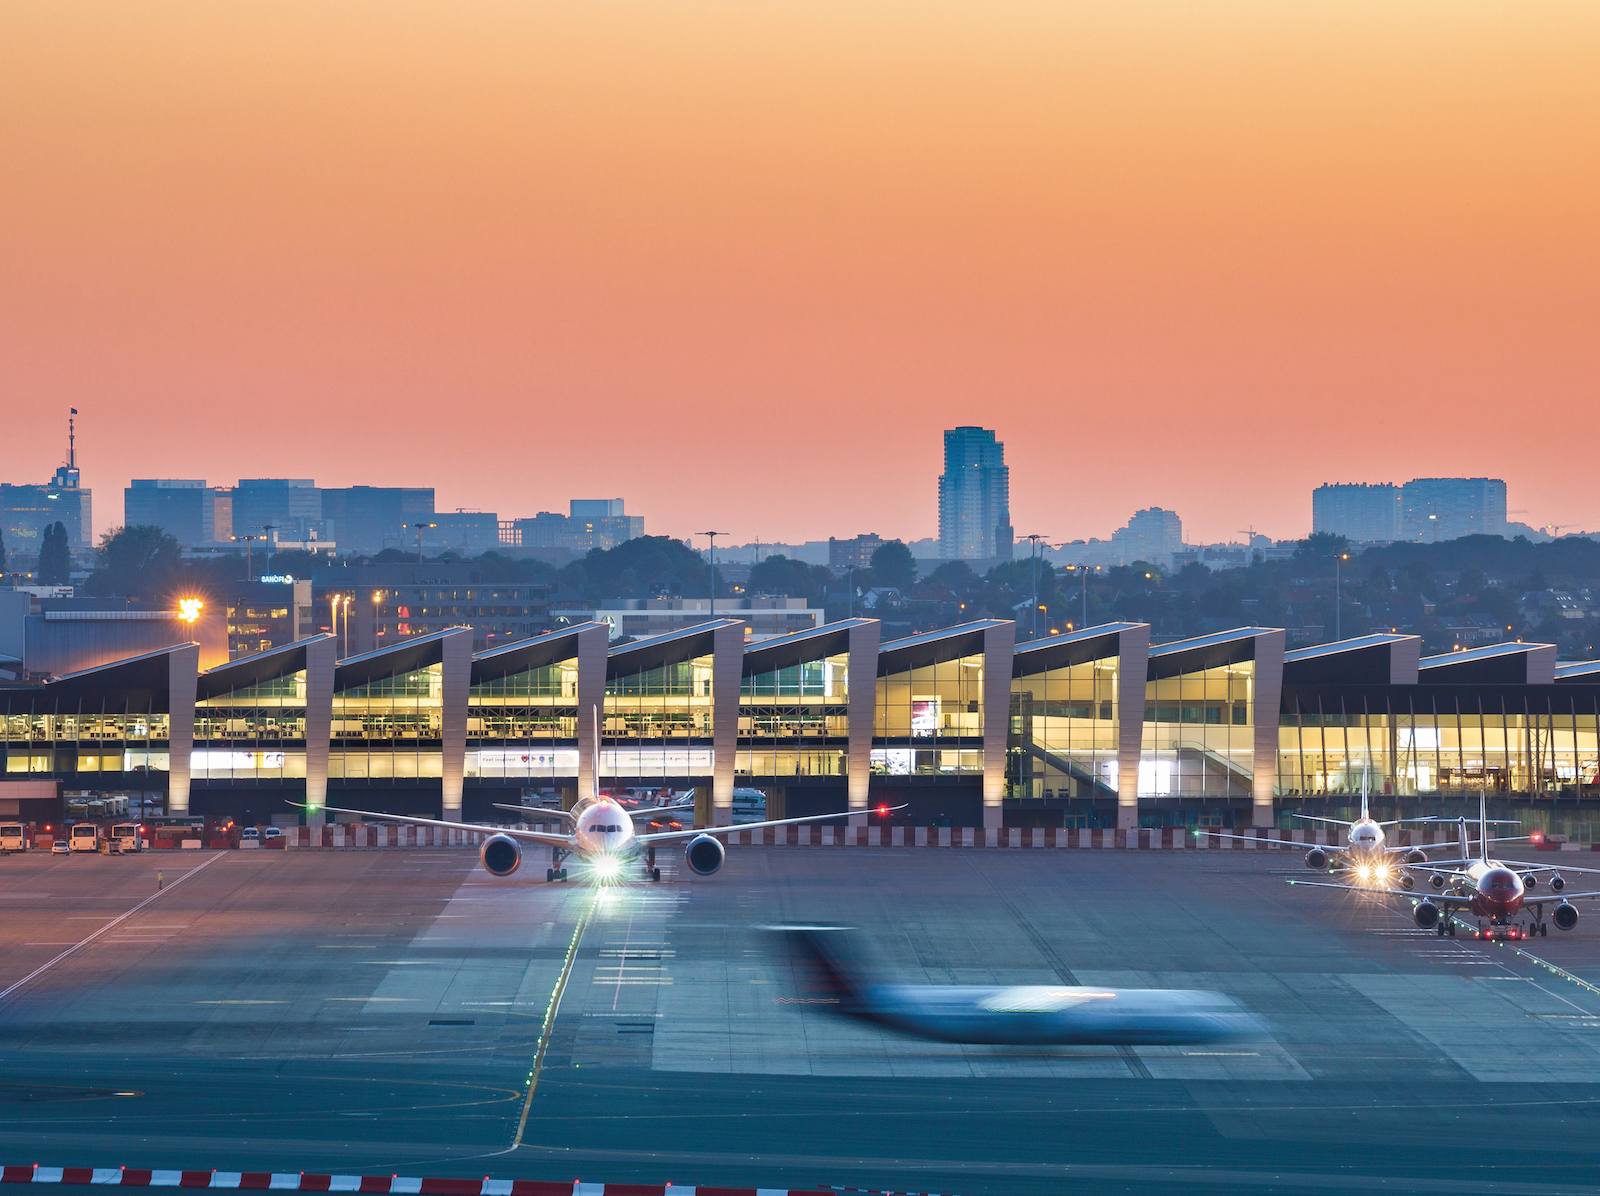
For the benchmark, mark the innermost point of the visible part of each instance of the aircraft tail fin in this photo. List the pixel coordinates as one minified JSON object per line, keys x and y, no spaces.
{"x":830,"y":972}
{"x":595,"y":761}
{"x":1483,"y":824}
{"x":1465,"y":847}
{"x":1364,"y":767}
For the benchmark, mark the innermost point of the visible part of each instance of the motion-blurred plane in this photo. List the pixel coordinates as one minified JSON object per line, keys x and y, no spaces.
{"x":1494,"y":891}
{"x":1055,"y":1014}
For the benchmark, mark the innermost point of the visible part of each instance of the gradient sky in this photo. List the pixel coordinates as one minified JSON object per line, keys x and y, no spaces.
{"x":741,"y":263}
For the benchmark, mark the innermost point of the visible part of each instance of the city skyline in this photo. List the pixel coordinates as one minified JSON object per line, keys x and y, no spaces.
{"x":447,"y":248}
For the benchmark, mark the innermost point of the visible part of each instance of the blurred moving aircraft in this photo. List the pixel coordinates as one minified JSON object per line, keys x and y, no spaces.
{"x":1056,"y":1014}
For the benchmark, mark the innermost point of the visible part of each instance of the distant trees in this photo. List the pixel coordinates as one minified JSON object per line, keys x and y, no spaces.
{"x":55,"y":557}
{"x":894,"y":566}
{"x":141,"y":560}
{"x":780,"y":575}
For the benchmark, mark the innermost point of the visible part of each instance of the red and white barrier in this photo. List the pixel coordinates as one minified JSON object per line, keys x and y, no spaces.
{"x":301,"y":1181}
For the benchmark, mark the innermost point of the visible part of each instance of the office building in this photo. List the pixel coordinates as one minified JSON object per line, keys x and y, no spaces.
{"x":465,"y":533}
{"x":589,"y":523}
{"x":367,"y":519}
{"x":268,"y":614}
{"x":185,"y":509}
{"x":961,"y":726}
{"x":282,"y":509}
{"x":1434,"y":509}
{"x":974,"y":497}
{"x":1361,"y":513}
{"x":26,"y":511}
{"x":853,"y":554}
{"x":1153,"y":535}
{"x":390,"y":603}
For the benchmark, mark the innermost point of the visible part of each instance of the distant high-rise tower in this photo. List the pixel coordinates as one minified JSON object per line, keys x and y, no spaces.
{"x":974,"y":497}
{"x":1434,"y":509}
{"x":1360,"y":513}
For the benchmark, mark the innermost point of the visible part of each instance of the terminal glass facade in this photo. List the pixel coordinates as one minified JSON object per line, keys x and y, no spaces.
{"x":795,"y":721}
{"x":1199,"y":734}
{"x":65,"y":734}
{"x":1063,"y":739}
{"x":657,"y":721}
{"x":928,"y":720}
{"x":390,"y":727}
{"x":1446,"y":743}
{"x":254,"y":732}
{"x":525,"y":725}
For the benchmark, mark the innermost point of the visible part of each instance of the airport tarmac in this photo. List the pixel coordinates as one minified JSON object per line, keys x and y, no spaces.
{"x":380,"y":1012}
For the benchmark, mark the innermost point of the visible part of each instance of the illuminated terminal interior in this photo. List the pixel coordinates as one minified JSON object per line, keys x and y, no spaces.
{"x":962,"y":726}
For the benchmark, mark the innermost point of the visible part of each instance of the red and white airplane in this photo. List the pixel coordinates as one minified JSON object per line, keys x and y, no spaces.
{"x":1493,"y":891}
{"x":603,"y":837}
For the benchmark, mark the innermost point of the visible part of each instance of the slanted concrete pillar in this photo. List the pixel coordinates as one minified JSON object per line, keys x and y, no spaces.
{"x":321,"y":657}
{"x":862,"y":678}
{"x":456,"y":676}
{"x":592,"y":643}
{"x":727,"y":671}
{"x":1133,"y":664}
{"x":999,"y":644}
{"x":1264,"y":711}
{"x":569,"y":798}
{"x":183,"y":675}
{"x":703,"y":810}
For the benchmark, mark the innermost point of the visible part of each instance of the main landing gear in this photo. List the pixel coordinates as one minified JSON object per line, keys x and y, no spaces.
{"x":555,"y":872}
{"x":650,"y":864}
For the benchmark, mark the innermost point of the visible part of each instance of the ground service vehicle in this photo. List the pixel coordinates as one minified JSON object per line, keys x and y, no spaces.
{"x":60,"y":847}
{"x":13,"y":837}
{"x":125,"y":837}
{"x":85,"y":836}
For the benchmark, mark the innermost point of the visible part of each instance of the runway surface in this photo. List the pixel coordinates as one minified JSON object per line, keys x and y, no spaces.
{"x":380,"y":1012}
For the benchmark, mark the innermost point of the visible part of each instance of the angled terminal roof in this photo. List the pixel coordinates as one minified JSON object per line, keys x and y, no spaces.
{"x":1516,"y":664}
{"x":1205,"y":652}
{"x":406,"y":656}
{"x":673,"y":647}
{"x":930,"y":647}
{"x":1587,"y":671}
{"x":255,"y":668}
{"x":785,"y":651}
{"x":535,"y":653}
{"x":148,"y":674}
{"x":1365,"y":660}
{"x":1076,"y":647}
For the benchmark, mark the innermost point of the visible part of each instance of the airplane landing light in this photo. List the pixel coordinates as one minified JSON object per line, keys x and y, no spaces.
{"x":606,"y":867}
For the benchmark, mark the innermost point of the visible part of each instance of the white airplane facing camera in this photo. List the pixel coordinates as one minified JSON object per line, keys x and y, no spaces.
{"x":602,"y":837}
{"x":1494,"y":891}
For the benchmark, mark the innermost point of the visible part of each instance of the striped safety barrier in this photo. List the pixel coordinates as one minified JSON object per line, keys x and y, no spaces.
{"x":303,"y":1181}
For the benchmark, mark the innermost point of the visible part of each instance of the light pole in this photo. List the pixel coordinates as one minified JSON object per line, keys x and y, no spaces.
{"x":377,"y":597}
{"x":1338,"y":595}
{"x":333,"y":610}
{"x":713,"y":538}
{"x":348,"y":599}
{"x":1033,"y":559}
{"x":419,"y":527}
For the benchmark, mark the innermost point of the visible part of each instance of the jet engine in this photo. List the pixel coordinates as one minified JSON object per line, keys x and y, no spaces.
{"x":1436,"y":880}
{"x":1529,"y":880}
{"x":1416,"y":856}
{"x":704,"y":855}
{"x":1317,"y":858}
{"x":1558,"y":884}
{"x":1425,"y":915}
{"x":1406,"y":880}
{"x":1565,"y":916}
{"x":500,"y":855}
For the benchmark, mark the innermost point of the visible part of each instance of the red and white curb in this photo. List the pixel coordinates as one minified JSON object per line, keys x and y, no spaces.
{"x":302,"y":1181}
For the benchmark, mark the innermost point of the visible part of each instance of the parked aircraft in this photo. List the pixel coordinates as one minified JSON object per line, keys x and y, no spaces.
{"x":1494,"y":891}
{"x":1057,"y":1014}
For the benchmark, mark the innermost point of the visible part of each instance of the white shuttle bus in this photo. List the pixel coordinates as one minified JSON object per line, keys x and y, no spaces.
{"x":84,"y":836}
{"x":125,"y":837}
{"x":13,"y":836}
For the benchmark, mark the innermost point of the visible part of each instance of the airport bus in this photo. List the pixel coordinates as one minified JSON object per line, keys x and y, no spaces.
{"x":125,"y":837}
{"x":84,"y":836}
{"x":13,"y":837}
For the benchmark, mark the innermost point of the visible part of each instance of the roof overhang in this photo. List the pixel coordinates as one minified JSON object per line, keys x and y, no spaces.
{"x":252,"y":670}
{"x":1064,"y":651}
{"x":786,"y":651}
{"x":539,"y":652}
{"x":1205,"y":652}
{"x":658,"y":651}
{"x":932,"y":647}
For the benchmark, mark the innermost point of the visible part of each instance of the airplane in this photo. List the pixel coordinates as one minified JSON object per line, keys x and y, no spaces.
{"x":1494,"y":891}
{"x":602,"y":836}
{"x":1366,"y":853}
{"x":1035,"y":1015}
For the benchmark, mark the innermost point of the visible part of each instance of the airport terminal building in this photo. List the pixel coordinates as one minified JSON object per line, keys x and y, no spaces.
{"x":960,"y":727}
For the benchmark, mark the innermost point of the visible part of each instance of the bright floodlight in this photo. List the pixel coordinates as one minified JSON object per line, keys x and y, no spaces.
{"x":189,"y":609}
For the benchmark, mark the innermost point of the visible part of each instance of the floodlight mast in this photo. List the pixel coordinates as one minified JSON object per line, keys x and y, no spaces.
{"x":712,"y":536}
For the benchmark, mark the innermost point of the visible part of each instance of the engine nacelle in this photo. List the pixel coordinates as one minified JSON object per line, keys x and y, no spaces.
{"x":1317,"y":858}
{"x":704,"y":855}
{"x":1557,"y":884}
{"x":501,"y":855}
{"x":1565,"y":916}
{"x":1529,"y":880}
{"x":1407,"y":880}
{"x":1425,"y":915}
{"x":1416,"y":856}
{"x":1436,"y":880}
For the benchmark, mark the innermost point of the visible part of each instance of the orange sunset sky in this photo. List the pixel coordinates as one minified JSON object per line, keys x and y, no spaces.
{"x":741,"y":263}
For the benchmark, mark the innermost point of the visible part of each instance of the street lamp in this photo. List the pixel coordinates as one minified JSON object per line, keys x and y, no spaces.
{"x":377,"y":597}
{"x":333,"y":610}
{"x":348,"y":599}
{"x":419,"y":527}
{"x":1033,"y":559}
{"x":713,"y":538}
{"x":1338,"y":595}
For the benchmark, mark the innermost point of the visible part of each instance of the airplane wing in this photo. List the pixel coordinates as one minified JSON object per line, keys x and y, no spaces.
{"x":541,"y":837}
{"x":1436,"y":898}
{"x":652,"y":811}
{"x":540,"y":810}
{"x":1559,"y":897}
{"x":668,"y":836}
{"x":1523,"y":865}
{"x":1314,"y":818}
{"x":1263,"y":842}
